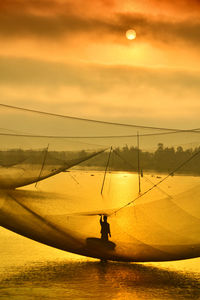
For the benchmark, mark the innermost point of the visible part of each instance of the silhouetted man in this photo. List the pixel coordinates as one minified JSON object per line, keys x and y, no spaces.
{"x":105,"y":228}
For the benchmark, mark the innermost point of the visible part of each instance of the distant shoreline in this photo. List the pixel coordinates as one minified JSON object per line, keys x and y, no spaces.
{"x":146,"y":172}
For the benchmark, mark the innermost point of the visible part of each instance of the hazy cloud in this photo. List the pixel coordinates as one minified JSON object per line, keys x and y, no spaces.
{"x":188,"y":6}
{"x":88,"y":6}
{"x":93,"y":78}
{"x":45,"y":7}
{"x":51,"y":26}
{"x":32,"y":28}
{"x":145,"y":95}
{"x":67,"y":24}
{"x":162,"y":29}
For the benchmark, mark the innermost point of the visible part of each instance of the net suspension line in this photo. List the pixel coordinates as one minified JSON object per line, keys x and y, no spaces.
{"x":106,"y":170}
{"x":155,"y":185}
{"x":43,"y":163}
{"x":138,"y":151}
{"x":146,"y":178}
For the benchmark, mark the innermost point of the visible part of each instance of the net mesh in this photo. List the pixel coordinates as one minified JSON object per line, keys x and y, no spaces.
{"x":59,"y":174}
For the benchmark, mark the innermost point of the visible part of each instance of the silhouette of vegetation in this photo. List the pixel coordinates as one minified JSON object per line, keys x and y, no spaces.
{"x":163,"y":159}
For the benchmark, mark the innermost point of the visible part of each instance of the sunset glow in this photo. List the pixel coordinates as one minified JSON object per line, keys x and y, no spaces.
{"x":83,"y":58}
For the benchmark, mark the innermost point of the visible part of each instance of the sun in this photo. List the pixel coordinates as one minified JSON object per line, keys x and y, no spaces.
{"x":131,"y":34}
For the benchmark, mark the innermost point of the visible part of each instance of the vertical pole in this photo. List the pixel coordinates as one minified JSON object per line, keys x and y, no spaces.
{"x":138,"y":147}
{"x":42,"y":167}
{"x":106,"y":170}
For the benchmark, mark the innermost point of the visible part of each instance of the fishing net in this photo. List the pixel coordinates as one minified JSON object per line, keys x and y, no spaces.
{"x":59,"y":174}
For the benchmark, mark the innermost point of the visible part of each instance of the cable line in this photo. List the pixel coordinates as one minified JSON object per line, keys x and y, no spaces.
{"x":146,"y":178}
{"x":83,"y":119}
{"x":155,"y":185}
{"x":138,"y":152}
{"x":43,"y":163}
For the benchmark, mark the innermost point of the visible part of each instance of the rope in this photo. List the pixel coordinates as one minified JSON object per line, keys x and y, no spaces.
{"x":92,"y":136}
{"x":146,"y":178}
{"x":106,"y":170}
{"x":155,"y":185}
{"x":83,"y":119}
{"x":45,"y":156}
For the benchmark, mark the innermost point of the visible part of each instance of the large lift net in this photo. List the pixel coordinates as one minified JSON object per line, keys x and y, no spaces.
{"x":59,"y":174}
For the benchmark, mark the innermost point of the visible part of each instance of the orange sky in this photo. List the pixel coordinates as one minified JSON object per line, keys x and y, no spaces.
{"x":72,"y":57}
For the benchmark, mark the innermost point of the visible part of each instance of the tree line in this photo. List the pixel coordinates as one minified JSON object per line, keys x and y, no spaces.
{"x":163,"y":159}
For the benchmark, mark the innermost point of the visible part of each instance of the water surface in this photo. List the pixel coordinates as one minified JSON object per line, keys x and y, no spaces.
{"x":30,"y":270}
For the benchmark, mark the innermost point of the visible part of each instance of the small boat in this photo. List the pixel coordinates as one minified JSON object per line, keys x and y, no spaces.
{"x":97,"y":243}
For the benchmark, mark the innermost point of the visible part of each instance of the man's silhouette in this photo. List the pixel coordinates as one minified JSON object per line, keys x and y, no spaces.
{"x":105,"y":228}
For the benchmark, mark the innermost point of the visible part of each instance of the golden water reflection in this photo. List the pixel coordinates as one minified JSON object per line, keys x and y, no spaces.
{"x":166,"y":229}
{"x":29,"y":270}
{"x":119,"y":188}
{"x":95,"y":280}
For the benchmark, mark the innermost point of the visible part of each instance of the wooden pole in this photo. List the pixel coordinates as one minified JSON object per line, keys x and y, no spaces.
{"x":138,"y":147}
{"x":106,"y":170}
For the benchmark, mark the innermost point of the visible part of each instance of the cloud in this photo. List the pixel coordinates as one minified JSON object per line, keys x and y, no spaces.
{"x":100,"y":91}
{"x":52,"y":7}
{"x":85,"y":7}
{"x":146,"y":96}
{"x":90,"y":30}
{"x":178,"y":6}
{"x":93,"y":77}
{"x":52,"y":27}
{"x":144,"y":107}
{"x":67,"y":24}
{"x":159,"y":29}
